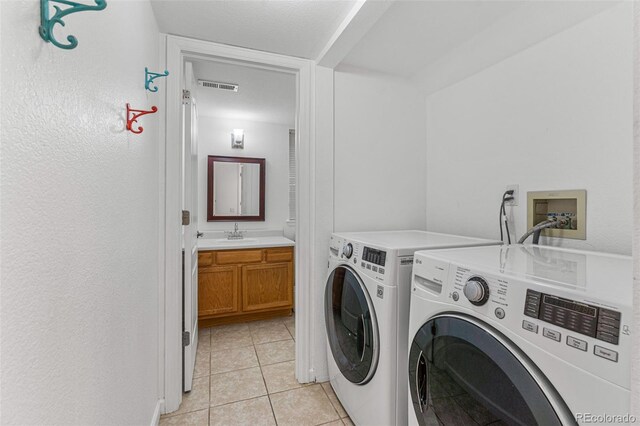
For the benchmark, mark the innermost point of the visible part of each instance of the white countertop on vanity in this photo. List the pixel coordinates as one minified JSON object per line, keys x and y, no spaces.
{"x":245,"y":243}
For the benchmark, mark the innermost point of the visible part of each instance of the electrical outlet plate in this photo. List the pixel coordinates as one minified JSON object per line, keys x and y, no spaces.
{"x":516,"y":195}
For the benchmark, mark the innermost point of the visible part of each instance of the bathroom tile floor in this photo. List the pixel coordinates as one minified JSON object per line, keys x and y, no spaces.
{"x":244,"y":375}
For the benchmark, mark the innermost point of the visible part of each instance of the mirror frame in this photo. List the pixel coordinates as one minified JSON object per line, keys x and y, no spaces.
{"x":210,"y":185}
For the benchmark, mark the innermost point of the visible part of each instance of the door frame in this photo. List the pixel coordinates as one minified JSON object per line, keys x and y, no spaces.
{"x":174,"y":50}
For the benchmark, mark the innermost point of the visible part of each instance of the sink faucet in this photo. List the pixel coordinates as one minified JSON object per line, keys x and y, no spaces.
{"x":235,"y":234}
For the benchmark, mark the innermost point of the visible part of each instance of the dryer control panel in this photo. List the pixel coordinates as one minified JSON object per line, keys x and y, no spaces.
{"x":593,"y":321}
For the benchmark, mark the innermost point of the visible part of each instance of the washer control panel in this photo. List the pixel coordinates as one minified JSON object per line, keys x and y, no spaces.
{"x":585,"y":329}
{"x":368,"y":260}
{"x":476,"y":290}
{"x":481,"y":290}
{"x":347,"y":250}
{"x":371,"y":255}
{"x":593,"y":321}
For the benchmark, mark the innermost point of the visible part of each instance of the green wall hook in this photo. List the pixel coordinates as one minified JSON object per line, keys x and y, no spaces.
{"x":150,"y":76}
{"x":47,"y":23}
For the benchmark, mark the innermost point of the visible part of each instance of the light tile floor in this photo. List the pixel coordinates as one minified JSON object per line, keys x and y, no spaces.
{"x":244,"y":375}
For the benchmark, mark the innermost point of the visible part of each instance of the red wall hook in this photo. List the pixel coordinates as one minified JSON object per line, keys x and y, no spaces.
{"x":134,"y":114}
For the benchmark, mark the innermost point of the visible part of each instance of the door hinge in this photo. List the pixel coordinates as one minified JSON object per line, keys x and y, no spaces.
{"x":186,"y":217}
{"x":186,"y":97}
{"x":186,"y":338}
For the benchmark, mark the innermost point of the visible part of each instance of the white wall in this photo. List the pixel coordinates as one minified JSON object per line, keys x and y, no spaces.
{"x":79,"y":256}
{"x":555,"y":116}
{"x":635,"y":360}
{"x":261,"y":140}
{"x":380,"y":153}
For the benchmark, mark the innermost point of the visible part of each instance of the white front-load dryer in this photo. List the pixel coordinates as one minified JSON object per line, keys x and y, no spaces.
{"x":519,"y":335}
{"x":367,"y":319}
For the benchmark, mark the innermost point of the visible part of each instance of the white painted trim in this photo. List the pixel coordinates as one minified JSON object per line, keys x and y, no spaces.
{"x":162,"y":57}
{"x":173,"y":195}
{"x":305,"y":208}
{"x":155,"y":420}
{"x":323,"y":214}
{"x":177,"y":50}
{"x":359,"y":20}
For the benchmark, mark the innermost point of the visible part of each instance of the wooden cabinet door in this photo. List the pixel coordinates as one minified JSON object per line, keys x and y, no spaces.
{"x":267,"y":286}
{"x":218,"y":291}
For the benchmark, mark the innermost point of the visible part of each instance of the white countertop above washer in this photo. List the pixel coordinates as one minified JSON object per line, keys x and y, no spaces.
{"x":602,"y":275}
{"x":408,"y":241}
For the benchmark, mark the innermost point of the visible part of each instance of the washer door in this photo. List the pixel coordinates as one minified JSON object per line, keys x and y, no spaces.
{"x":462,"y":371}
{"x":351,"y":325}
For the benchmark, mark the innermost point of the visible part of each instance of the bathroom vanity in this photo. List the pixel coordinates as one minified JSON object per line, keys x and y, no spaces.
{"x":244,"y":280}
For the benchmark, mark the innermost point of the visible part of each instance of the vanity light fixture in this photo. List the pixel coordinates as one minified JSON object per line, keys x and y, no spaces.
{"x":237,"y":139}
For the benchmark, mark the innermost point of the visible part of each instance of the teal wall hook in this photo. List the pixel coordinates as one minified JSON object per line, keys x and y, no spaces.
{"x":47,"y":23}
{"x":150,"y":76}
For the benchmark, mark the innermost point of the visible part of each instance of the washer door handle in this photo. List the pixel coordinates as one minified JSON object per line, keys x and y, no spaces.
{"x":361,"y":337}
{"x":421,"y":382}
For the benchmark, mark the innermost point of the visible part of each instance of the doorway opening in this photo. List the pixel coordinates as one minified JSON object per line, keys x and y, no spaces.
{"x":243,"y":168}
{"x":183,"y":166}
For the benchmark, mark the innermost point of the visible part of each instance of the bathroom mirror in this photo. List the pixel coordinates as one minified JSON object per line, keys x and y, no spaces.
{"x":235,"y":189}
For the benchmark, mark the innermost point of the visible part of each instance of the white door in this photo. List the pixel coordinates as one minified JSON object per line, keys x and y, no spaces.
{"x":190,"y":251}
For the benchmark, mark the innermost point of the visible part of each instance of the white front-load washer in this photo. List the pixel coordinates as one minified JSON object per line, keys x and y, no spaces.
{"x":367,"y":318}
{"x":519,"y":335}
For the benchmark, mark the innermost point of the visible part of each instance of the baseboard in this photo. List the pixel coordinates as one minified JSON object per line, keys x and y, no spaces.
{"x":319,"y":376}
{"x":232,"y":319}
{"x":156,"y":413}
{"x":322,"y":378}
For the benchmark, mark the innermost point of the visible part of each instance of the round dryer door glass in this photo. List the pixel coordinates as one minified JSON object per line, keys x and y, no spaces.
{"x":463,"y":372}
{"x":351,"y":326}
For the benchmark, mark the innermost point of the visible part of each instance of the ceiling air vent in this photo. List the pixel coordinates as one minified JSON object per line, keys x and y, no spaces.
{"x":218,"y":85}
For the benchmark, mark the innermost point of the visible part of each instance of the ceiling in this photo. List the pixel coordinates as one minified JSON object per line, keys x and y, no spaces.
{"x":299,"y":28}
{"x":264,"y":95}
{"x":438,"y":43}
{"x":434,"y":43}
{"x":413,"y":34}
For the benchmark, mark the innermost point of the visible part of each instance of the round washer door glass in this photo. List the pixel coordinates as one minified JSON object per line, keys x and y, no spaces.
{"x":351,"y":325}
{"x":461,"y":371}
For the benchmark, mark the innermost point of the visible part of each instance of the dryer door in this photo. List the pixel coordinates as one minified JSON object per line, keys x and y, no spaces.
{"x":351,"y":325}
{"x":462,"y":371}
